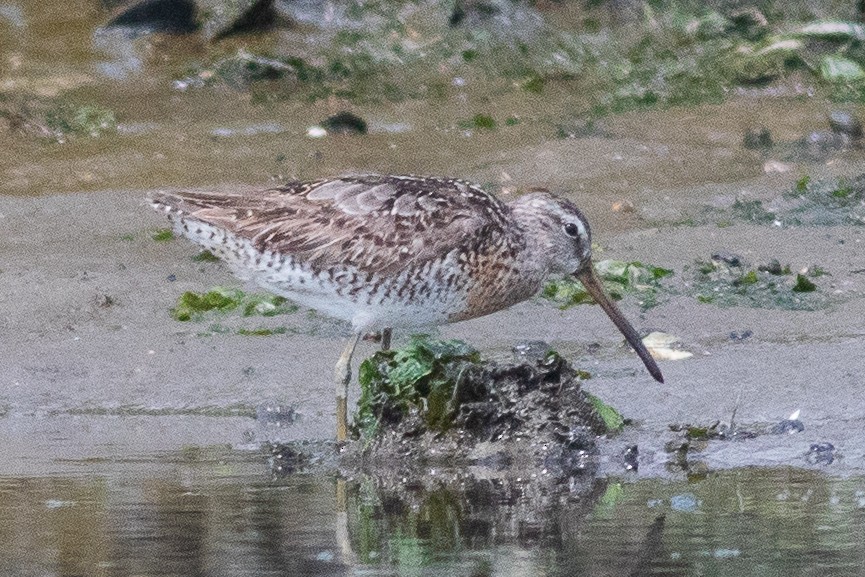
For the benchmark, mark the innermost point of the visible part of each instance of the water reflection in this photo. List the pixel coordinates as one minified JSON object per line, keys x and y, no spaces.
{"x":227,"y":516}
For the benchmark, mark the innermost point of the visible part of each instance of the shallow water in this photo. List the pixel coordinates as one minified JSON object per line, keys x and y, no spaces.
{"x":222,"y":512}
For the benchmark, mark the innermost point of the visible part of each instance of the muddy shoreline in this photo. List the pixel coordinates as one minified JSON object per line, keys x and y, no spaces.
{"x":96,"y":368}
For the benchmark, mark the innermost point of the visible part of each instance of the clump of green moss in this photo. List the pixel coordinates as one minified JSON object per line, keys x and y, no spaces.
{"x":619,"y":278}
{"x":162,"y":235}
{"x":192,"y":305}
{"x":445,"y":390}
{"x":422,"y":374}
{"x":613,"y":419}
{"x":205,"y":256}
{"x":803,"y":285}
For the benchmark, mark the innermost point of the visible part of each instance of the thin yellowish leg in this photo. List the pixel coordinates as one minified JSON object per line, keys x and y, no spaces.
{"x":342,"y":374}
{"x":343,"y":538}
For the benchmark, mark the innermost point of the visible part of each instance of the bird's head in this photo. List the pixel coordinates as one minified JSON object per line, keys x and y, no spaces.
{"x":565,"y":241}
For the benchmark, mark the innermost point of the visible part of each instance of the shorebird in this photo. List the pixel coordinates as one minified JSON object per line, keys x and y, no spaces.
{"x":387,"y":252}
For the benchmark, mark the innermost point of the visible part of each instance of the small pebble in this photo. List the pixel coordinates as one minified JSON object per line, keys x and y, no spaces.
{"x":729,"y":258}
{"x":772,"y":267}
{"x":631,"y":458}
{"x":821,"y":454}
{"x":316,"y":132}
{"x":623,"y":206}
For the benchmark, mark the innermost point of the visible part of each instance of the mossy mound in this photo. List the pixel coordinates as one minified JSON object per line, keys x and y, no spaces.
{"x":437,"y":403}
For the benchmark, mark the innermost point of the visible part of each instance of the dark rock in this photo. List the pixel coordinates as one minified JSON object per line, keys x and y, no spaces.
{"x":729,"y":258}
{"x":740,"y":335}
{"x":821,"y":454}
{"x":166,"y":16}
{"x":631,"y":457}
{"x":215,"y":18}
{"x":258,"y":17}
{"x":749,"y":22}
{"x":286,"y":459}
{"x":345,"y":123}
{"x":772,"y":267}
{"x":472,"y":11}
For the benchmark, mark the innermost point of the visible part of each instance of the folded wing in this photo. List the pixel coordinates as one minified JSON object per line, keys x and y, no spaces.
{"x":375,"y":223}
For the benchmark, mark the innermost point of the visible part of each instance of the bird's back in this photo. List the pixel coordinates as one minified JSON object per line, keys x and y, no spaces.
{"x":376,"y":250}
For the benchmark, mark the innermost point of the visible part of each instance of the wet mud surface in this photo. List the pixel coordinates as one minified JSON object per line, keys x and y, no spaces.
{"x":96,"y":356}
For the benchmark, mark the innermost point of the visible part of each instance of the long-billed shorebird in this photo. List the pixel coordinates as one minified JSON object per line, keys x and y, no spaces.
{"x":395,"y":251}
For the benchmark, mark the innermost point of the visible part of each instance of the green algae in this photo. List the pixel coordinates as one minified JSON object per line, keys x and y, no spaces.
{"x":422,"y":374}
{"x":205,"y":256}
{"x":769,"y":286}
{"x":619,"y":278}
{"x":193,"y":306}
{"x":162,"y":235}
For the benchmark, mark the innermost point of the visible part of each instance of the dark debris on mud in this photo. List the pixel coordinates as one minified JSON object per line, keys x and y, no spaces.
{"x":433,"y":414}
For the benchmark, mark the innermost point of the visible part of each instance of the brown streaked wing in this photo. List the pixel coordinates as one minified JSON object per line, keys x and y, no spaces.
{"x":376,"y":223}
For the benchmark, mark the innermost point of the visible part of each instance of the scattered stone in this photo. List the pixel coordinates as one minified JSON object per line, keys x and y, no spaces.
{"x":835,"y":68}
{"x":624,"y":206}
{"x":316,"y":132}
{"x":631,"y":457}
{"x":286,"y":459}
{"x":836,"y":30}
{"x":276,"y":415}
{"x":821,"y":454}
{"x":728,"y":258}
{"x":104,"y":300}
{"x":774,"y":267}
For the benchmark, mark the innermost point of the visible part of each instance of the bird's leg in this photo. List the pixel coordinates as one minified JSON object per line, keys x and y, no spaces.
{"x":342,"y":374}
{"x":386,"y":334}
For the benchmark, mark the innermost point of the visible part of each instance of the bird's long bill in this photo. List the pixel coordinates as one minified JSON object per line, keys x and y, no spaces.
{"x":593,"y":286}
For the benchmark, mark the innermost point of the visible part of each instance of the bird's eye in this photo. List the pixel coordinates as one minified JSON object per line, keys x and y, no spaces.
{"x":572,"y":230}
